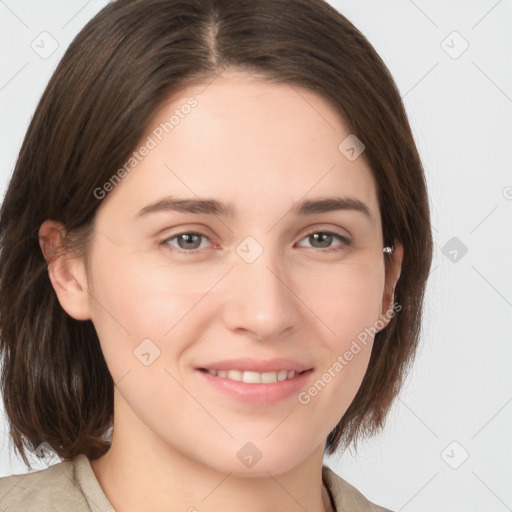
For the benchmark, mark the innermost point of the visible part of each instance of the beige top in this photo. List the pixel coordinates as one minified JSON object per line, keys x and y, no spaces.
{"x":71,"y":486}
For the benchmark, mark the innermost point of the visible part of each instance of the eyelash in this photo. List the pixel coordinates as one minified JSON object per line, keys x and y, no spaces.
{"x":346,"y":243}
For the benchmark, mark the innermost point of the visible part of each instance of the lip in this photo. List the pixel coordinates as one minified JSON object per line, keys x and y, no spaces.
{"x":263,"y":394}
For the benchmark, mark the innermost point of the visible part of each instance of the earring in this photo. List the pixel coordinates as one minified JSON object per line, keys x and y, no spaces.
{"x":388,"y":249}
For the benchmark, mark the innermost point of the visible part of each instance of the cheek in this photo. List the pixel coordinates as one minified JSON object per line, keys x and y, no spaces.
{"x":134,"y":292}
{"x":135,"y":298}
{"x":346,"y":300}
{"x":348,"y":305}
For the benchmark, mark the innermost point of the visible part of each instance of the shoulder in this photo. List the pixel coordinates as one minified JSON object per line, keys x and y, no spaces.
{"x":40,"y":490}
{"x":346,"y":496}
{"x":58,"y":488}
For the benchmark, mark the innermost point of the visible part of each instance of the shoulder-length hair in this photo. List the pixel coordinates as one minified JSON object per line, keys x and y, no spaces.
{"x":121,"y":67}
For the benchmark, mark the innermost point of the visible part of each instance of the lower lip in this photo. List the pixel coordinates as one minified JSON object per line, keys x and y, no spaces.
{"x":257,"y":394}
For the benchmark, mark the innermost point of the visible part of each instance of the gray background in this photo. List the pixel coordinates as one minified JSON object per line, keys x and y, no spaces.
{"x":445,"y":446}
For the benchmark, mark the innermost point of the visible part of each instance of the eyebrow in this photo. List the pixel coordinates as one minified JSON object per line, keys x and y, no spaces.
{"x":214,"y":207}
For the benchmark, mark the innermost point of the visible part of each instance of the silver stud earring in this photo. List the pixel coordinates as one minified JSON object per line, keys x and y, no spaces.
{"x":388,"y":249}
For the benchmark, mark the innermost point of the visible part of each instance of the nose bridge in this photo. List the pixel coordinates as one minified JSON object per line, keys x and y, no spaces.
{"x":261,"y":300}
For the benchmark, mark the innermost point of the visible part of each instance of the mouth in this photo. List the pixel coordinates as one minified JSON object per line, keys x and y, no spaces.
{"x":253,"y":377}
{"x":254,"y":388}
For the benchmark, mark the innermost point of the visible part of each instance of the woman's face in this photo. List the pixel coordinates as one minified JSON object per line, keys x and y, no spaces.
{"x":175,"y":290}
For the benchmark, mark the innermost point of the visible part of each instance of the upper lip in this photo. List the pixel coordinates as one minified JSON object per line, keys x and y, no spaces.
{"x":257,"y":365}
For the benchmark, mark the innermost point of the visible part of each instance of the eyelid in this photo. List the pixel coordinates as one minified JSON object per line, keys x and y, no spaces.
{"x":316,"y":228}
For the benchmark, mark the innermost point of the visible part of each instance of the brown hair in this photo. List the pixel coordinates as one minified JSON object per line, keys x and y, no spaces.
{"x":112,"y":79}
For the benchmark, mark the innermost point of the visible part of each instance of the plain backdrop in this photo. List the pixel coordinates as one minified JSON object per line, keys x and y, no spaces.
{"x":446,"y":445}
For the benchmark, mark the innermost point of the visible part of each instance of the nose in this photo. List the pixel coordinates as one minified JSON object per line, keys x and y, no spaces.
{"x":260,"y":297}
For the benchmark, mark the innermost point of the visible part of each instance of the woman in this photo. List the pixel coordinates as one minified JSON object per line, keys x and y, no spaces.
{"x":215,"y":245}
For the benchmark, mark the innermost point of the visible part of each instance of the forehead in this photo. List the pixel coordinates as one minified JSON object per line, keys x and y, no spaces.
{"x":247,"y":142}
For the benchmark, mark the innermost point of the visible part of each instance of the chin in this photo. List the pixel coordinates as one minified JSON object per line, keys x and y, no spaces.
{"x":259,"y":458}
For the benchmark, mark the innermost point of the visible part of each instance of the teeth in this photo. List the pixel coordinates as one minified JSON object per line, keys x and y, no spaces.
{"x":250,"y":377}
{"x":235,"y":375}
{"x":282,"y":375}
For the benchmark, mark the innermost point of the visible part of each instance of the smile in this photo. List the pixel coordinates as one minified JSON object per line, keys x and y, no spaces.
{"x":251,"y":377}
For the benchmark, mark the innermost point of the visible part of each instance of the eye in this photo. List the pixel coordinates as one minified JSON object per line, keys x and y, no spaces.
{"x":324,"y":240}
{"x":190,"y":242}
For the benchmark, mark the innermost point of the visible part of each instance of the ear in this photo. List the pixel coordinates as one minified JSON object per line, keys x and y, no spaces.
{"x":67,"y":273}
{"x":393,"y":268}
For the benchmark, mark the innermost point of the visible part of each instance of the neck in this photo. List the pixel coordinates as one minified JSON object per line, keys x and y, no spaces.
{"x":151,"y":474}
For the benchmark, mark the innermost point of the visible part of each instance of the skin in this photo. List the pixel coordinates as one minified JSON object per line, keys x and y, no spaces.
{"x":175,"y":442}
